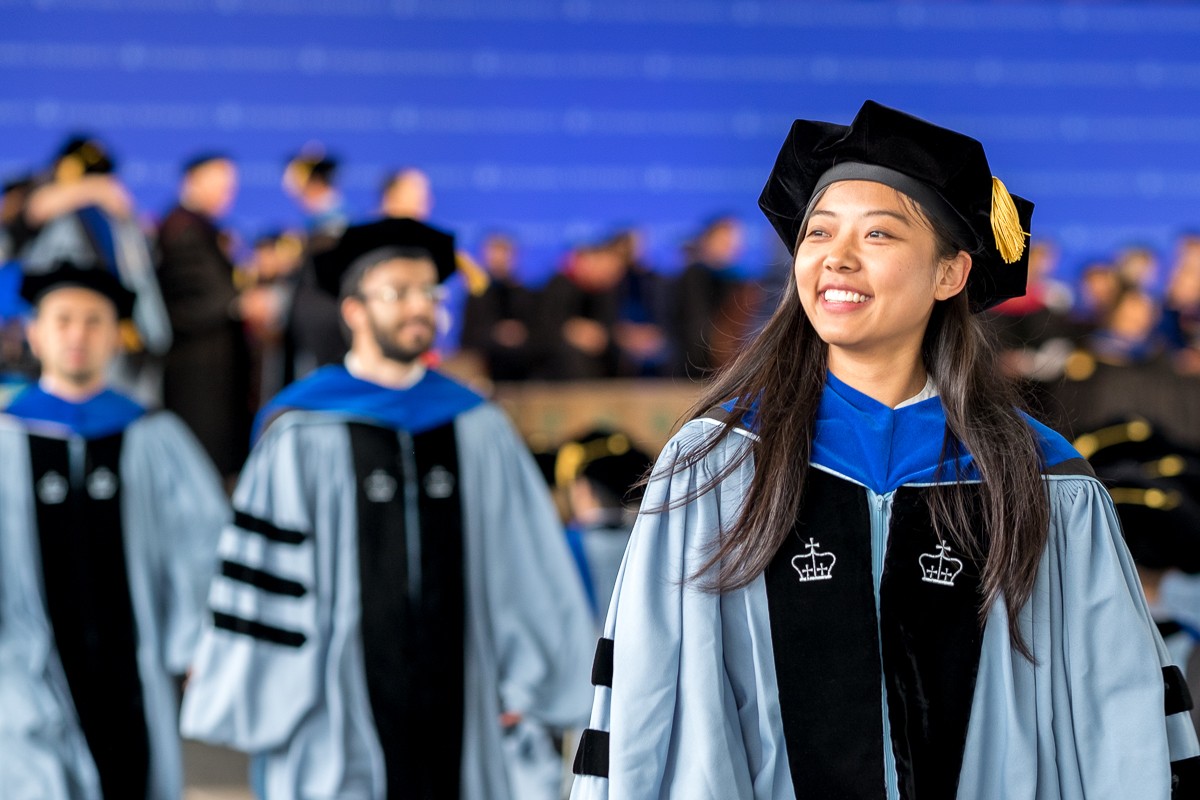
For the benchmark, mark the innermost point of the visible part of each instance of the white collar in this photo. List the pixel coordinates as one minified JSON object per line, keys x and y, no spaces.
{"x":928,"y":391}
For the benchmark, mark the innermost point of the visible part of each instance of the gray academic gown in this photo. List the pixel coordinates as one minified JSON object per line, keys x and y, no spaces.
{"x":690,"y":707}
{"x":286,"y":679}
{"x":173,"y":508}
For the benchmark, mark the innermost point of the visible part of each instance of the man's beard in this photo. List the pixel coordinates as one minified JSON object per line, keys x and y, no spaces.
{"x":395,"y":352}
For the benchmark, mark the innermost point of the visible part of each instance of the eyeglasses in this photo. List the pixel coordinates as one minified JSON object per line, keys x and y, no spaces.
{"x":390,"y":295}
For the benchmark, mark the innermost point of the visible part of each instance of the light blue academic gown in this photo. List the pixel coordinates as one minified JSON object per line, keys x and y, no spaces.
{"x":304,"y":708}
{"x":693,"y":711}
{"x":172,"y":509}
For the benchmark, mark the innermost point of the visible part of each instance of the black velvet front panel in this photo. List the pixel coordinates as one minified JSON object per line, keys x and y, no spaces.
{"x":412,"y":611}
{"x":86,"y":582}
{"x":930,"y":600}
{"x":826,"y":645}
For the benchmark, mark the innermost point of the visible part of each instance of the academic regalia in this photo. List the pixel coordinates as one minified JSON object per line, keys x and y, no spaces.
{"x":348,"y":485}
{"x":1154,"y":482}
{"x":109,"y":518}
{"x":611,"y":466}
{"x":856,"y":665}
{"x":206,"y":372}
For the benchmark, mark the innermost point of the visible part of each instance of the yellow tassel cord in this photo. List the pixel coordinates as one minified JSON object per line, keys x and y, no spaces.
{"x":476,"y":276}
{"x":131,"y":340}
{"x":1006,"y":224}
{"x":69,"y":169}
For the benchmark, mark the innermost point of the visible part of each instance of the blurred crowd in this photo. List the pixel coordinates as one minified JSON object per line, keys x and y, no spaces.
{"x":223,"y":322}
{"x":1123,"y":339}
{"x":1126,"y":308}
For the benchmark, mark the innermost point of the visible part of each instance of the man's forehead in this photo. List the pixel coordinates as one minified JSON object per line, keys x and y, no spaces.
{"x":401,"y":267}
{"x":70,"y":297}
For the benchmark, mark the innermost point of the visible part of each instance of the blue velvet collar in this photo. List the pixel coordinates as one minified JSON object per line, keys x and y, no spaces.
{"x":101,"y":415}
{"x":432,"y":401}
{"x":884,"y":448}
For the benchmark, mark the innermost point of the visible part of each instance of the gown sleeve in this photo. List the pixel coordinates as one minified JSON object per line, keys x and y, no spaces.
{"x":258,"y":668}
{"x":189,"y":508}
{"x":665,"y":717}
{"x":1118,"y":725}
{"x":1093,"y":715}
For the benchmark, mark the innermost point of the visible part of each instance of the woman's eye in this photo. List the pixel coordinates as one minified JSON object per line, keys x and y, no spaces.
{"x":879,"y":235}
{"x":815,"y":233}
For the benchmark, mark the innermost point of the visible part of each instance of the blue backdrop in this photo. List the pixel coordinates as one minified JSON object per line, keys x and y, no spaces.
{"x":559,"y":119}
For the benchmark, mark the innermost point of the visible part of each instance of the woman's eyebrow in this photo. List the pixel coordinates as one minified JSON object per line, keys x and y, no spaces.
{"x":874,"y":212}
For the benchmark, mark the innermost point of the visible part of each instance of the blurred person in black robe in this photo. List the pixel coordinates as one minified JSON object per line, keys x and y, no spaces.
{"x":206,"y":376}
{"x":713,"y":305}
{"x":497,"y":322}
{"x":577,"y":316}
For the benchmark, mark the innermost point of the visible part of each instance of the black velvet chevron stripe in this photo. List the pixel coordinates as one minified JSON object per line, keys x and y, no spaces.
{"x":1178,"y":697}
{"x":602,"y":665}
{"x":258,"y":630}
{"x":1185,"y":778}
{"x":592,"y":756}
{"x":266,"y":529}
{"x":262,"y":580}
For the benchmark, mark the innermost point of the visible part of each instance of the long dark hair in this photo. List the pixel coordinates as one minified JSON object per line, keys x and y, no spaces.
{"x":786,"y":366}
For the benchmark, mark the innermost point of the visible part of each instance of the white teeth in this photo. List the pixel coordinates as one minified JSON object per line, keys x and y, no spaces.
{"x":842,"y":296}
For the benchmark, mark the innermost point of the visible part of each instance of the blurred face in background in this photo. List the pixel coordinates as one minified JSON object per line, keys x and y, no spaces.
{"x":499,"y":256}
{"x":408,"y":196}
{"x":75,"y":334}
{"x":210,"y":188}
{"x":721,"y":245}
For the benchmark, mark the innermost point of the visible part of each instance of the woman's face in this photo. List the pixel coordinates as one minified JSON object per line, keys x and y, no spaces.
{"x":868,"y":273}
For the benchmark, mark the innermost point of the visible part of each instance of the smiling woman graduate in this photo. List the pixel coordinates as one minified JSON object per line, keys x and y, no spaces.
{"x":859,"y":571}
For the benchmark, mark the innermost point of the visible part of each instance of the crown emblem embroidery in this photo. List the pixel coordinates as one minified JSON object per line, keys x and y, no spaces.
{"x":439,"y":483}
{"x":52,"y":488}
{"x":102,"y":484}
{"x":814,"y":565}
{"x":380,"y":487}
{"x":940,"y":567}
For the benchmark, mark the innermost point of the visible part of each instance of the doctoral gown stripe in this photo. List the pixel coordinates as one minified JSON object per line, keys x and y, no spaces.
{"x":592,"y":756}
{"x":258,"y":630}
{"x":265,"y":529}
{"x":1177,"y":696}
{"x":826,"y":646}
{"x":86,"y":582}
{"x":412,"y":613}
{"x":602,"y":664}
{"x":260,"y":579}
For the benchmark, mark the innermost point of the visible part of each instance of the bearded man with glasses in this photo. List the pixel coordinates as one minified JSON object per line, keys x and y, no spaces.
{"x":396,"y":603}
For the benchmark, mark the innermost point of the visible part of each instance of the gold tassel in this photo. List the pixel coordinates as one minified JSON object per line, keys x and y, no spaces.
{"x":131,"y":340}
{"x":69,"y":169}
{"x":476,"y":276}
{"x":1006,"y":224}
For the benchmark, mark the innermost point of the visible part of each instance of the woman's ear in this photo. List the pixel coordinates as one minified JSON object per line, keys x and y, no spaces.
{"x":952,"y":275}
